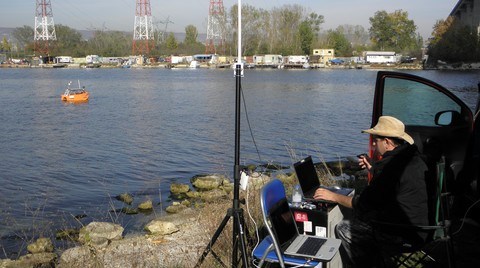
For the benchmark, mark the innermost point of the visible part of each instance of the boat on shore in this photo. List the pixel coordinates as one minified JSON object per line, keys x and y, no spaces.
{"x":75,"y":94}
{"x":194,"y":64}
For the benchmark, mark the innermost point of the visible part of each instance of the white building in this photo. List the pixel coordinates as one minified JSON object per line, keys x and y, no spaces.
{"x":297,"y":59}
{"x":273,"y":59}
{"x":64,"y":59}
{"x":92,"y":59}
{"x":381,"y":57}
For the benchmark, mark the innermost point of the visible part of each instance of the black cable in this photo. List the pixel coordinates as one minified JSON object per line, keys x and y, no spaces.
{"x":249,"y":126}
{"x":465,"y":217}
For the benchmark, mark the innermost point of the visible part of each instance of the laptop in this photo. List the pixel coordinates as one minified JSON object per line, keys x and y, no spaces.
{"x":294,"y":244}
{"x":309,"y":182}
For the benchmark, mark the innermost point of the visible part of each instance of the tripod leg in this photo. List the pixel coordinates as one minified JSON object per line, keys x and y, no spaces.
{"x":242,"y":238}
{"x":214,"y":238}
{"x":238,"y":233}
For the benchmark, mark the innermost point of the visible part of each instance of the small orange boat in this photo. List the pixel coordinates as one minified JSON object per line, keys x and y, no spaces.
{"x":75,"y":94}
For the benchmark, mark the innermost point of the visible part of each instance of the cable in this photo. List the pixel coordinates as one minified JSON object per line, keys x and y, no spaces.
{"x":256,"y":228}
{"x":249,"y":126}
{"x":465,"y":216}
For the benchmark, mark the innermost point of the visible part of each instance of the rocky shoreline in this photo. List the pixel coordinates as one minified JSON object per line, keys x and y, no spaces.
{"x":174,"y":240}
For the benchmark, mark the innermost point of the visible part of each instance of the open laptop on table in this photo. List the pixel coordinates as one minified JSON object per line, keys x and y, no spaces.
{"x":294,"y":244}
{"x":309,"y":182}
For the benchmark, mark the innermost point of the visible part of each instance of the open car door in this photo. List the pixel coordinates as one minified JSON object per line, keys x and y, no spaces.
{"x":439,"y":122}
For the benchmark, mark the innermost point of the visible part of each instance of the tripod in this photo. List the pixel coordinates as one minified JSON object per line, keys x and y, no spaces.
{"x":235,"y":211}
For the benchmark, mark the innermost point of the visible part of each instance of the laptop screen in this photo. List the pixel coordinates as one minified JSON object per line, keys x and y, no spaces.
{"x":307,"y":175}
{"x":283,"y":222}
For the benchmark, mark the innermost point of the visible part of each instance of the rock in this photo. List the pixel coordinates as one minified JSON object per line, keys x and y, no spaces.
{"x":179,"y":249}
{"x":41,"y":245}
{"x":179,"y":188}
{"x":186,"y":203}
{"x":78,"y":257}
{"x":227,"y":187}
{"x":4,"y":263}
{"x":126,"y":198}
{"x":207,"y":182}
{"x":212,"y":195}
{"x":147,"y":205}
{"x":44,"y":259}
{"x":175,"y":208}
{"x":160,"y":227}
{"x":257,"y":180}
{"x":193,"y":194}
{"x":129,"y":211}
{"x":251,"y":167}
{"x":100,"y":234}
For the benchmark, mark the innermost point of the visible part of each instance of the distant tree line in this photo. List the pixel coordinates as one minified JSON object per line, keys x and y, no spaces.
{"x":286,"y":30}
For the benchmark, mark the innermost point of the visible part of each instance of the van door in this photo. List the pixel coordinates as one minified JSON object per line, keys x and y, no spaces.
{"x":439,"y":122}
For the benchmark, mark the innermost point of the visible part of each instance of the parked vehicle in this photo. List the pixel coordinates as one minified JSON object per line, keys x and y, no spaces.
{"x":441,"y":124}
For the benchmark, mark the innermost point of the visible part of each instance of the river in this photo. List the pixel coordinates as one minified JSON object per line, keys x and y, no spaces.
{"x":145,"y":128}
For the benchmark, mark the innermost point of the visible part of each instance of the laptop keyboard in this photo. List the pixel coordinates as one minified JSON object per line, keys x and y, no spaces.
{"x":311,"y":246}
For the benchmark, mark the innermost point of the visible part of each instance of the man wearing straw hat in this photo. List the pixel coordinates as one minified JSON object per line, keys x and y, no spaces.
{"x":396,"y":194}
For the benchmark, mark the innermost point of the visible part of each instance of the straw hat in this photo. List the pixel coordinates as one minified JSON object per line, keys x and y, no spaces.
{"x":389,"y":126}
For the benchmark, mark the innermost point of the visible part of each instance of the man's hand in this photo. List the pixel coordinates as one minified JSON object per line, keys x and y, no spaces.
{"x":324,"y":194}
{"x":363,"y":162}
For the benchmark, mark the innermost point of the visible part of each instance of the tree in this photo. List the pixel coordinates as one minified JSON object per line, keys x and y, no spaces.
{"x":339,"y":42}
{"x":306,"y":35}
{"x":440,"y":28}
{"x":191,"y":35}
{"x":308,"y":32}
{"x":393,"y":31}
{"x":68,"y":40}
{"x":109,"y":43}
{"x":254,"y":29}
{"x":286,"y":21}
{"x":453,"y":42}
{"x":5,"y":45}
{"x":171,"y":42}
{"x":24,"y":36}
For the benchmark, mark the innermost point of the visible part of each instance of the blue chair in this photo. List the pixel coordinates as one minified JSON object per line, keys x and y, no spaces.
{"x":269,"y":249}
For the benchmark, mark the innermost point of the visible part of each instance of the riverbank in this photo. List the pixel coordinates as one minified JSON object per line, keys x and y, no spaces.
{"x":178,"y":240}
{"x":175,"y":240}
{"x":408,"y":66}
{"x":214,"y":66}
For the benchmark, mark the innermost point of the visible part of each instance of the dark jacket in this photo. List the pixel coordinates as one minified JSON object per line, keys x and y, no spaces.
{"x":397,"y":192}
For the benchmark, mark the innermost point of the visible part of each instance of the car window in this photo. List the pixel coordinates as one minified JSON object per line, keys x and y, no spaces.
{"x":415,"y":103}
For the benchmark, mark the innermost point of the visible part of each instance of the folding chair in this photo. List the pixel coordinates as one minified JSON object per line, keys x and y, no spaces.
{"x":269,"y":250}
{"x":438,"y":232}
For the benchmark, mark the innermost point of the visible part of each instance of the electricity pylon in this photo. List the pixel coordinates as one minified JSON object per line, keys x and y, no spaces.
{"x":143,"y":28}
{"x":44,"y":27}
{"x":215,"y":28}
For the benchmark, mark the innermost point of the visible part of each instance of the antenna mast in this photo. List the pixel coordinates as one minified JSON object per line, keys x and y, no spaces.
{"x":44,"y":26}
{"x":216,"y":24}
{"x":143,"y":28}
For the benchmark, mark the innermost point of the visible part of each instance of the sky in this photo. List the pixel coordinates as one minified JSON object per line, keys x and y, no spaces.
{"x":120,"y":14}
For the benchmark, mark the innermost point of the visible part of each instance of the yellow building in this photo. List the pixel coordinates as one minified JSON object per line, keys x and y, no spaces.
{"x":323,"y":55}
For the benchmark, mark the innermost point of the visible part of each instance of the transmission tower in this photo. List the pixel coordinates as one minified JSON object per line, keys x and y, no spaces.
{"x":44,"y":27}
{"x":215,"y":27}
{"x":143,"y":28}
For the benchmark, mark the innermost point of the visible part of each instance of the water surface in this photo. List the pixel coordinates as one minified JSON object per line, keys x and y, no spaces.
{"x":145,"y":128}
